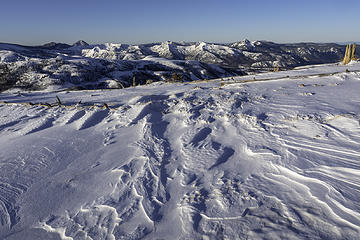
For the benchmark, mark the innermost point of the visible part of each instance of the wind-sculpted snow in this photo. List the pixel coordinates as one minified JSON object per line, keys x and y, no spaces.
{"x":244,"y":159}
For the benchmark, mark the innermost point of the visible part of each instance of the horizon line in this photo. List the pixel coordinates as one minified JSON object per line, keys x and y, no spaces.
{"x":182,"y":41}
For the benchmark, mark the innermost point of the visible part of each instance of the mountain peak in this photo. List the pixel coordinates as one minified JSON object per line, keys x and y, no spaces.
{"x":81,"y":43}
{"x":246,"y":41}
{"x":54,"y":45}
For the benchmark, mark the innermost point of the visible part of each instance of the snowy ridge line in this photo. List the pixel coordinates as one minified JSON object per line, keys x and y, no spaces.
{"x":86,"y":90}
{"x":224,"y":81}
{"x":49,"y":105}
{"x":287,"y":77}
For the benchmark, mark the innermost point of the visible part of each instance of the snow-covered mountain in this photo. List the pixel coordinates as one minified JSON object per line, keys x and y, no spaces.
{"x":56,"y":66}
{"x":84,"y":66}
{"x":244,"y":54}
{"x":267,"y":156}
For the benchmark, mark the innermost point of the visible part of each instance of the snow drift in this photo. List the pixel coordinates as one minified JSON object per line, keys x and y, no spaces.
{"x":269,"y":156}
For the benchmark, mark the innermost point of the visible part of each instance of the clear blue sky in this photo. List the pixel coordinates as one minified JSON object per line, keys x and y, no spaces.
{"x":35,"y":22}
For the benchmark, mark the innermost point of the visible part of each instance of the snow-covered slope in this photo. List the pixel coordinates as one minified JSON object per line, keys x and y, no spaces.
{"x":271,"y":156}
{"x":100,"y":67}
{"x":111,"y":65}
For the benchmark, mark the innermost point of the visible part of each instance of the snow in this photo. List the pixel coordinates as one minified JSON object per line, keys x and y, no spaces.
{"x":9,"y":56}
{"x":246,"y":44}
{"x":267,"y":156}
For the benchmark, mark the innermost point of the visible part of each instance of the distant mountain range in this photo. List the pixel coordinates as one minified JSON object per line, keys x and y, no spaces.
{"x":85,"y":66}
